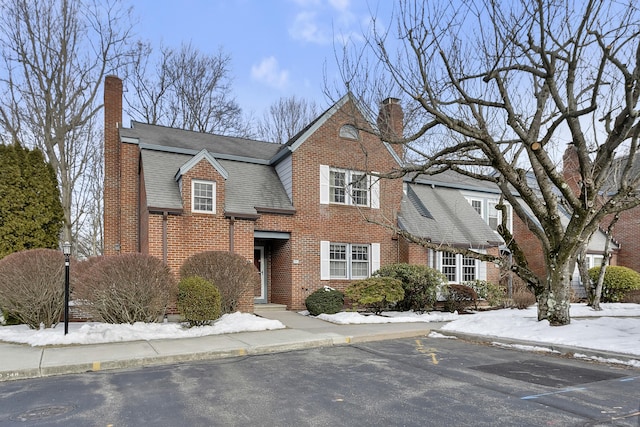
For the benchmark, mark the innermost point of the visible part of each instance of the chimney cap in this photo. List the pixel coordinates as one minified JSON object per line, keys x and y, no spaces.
{"x":391,"y":100}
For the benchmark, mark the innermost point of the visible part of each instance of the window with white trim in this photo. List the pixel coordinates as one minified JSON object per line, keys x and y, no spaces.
{"x":347,"y":187}
{"x":349,"y":131}
{"x":348,"y":260}
{"x":203,"y":196}
{"x":476,"y":204}
{"x":458,"y":268}
{"x":494,"y":216}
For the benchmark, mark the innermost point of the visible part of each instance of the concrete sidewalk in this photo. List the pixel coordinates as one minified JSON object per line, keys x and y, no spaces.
{"x":302,"y":332}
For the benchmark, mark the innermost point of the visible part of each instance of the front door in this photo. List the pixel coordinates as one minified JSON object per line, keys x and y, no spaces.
{"x":260,"y":293}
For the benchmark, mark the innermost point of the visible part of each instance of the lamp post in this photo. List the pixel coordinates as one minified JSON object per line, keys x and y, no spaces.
{"x":66,"y":250}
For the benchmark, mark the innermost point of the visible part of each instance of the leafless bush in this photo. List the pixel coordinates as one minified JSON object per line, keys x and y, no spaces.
{"x":32,"y":286}
{"x":124,"y":288}
{"x":522,"y":297}
{"x":232,"y":274}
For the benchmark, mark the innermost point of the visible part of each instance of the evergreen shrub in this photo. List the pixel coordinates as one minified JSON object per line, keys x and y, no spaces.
{"x":419,"y":282}
{"x":375,"y":293}
{"x":618,"y":281}
{"x":198,"y":301}
{"x":492,"y":293}
{"x":325,"y":300}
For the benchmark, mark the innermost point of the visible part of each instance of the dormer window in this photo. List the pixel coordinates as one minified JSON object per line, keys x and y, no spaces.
{"x":349,"y":132}
{"x":203,"y":196}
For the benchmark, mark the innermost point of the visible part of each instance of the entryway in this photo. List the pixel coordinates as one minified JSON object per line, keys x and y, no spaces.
{"x":260,"y":293}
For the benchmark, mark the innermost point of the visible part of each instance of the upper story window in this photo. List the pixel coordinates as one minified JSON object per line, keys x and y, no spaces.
{"x":349,"y":131}
{"x":348,"y":187}
{"x":494,"y":215}
{"x":487,"y":210}
{"x":203,"y":196}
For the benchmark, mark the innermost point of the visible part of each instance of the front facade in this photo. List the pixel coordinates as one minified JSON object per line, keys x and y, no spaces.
{"x":303,"y":213}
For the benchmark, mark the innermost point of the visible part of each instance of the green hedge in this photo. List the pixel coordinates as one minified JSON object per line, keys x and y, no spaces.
{"x":618,"y":281}
{"x":199,"y":301}
{"x":375,"y":293}
{"x":419,"y":282}
{"x":325,"y":300}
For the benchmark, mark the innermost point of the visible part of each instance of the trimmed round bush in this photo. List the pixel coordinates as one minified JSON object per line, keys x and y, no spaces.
{"x":375,"y":293}
{"x":325,"y":300}
{"x":198,"y":301}
{"x":234,"y":276}
{"x":618,"y":281}
{"x":125,"y":288}
{"x":420,"y":284}
{"x":32,"y":287}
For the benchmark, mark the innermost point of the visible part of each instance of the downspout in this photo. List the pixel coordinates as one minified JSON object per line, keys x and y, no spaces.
{"x":232,"y":220}
{"x":165,"y":249}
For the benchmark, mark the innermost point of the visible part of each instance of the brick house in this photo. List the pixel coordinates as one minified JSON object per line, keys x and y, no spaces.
{"x":296,"y":210}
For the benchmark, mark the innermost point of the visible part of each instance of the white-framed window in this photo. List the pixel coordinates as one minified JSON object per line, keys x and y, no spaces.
{"x":203,"y":196}
{"x":476,"y":204}
{"x":494,"y":216}
{"x":349,"y":131}
{"x":348,"y":260}
{"x":458,"y":268}
{"x":348,"y":187}
{"x":594,"y":260}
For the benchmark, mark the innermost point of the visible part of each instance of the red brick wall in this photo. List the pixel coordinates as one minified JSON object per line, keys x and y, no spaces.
{"x":314,"y":222}
{"x":112,"y":120}
{"x":627,"y":233}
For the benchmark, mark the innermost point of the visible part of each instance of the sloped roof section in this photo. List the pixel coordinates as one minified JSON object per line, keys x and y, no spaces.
{"x":452,"y":221}
{"x":248,"y":185}
{"x":192,"y":142}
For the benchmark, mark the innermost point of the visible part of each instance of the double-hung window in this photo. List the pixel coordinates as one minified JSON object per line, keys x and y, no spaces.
{"x":203,"y":196}
{"x":348,"y":187}
{"x":458,"y":268}
{"x":348,"y":260}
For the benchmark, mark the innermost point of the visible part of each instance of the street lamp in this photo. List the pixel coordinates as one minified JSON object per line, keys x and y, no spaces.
{"x":66,"y":250}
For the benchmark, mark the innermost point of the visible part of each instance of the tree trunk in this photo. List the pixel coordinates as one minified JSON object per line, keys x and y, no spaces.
{"x":558,"y":295}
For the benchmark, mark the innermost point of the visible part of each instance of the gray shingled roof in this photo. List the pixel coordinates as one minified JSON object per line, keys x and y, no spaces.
{"x":196,"y":141}
{"x":248,"y":186}
{"x":443,"y":215}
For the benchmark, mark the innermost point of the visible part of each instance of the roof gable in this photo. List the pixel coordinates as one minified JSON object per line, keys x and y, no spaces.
{"x":202,"y":155}
{"x":299,"y":139}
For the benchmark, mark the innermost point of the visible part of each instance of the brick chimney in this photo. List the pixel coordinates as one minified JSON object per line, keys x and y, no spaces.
{"x":112,"y":122}
{"x":571,"y":169}
{"x":391,"y":123}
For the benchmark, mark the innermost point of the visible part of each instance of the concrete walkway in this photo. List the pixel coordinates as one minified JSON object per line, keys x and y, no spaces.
{"x":302,"y":332}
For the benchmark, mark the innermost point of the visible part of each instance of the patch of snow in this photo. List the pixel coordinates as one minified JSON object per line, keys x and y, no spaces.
{"x":434,"y":334}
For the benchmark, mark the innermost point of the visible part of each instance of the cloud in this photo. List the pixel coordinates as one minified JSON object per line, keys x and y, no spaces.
{"x":268,"y":71}
{"x":324,"y":22}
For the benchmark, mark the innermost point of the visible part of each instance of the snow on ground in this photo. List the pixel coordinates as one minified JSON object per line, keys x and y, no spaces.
{"x":97,"y":333}
{"x":616,"y":328}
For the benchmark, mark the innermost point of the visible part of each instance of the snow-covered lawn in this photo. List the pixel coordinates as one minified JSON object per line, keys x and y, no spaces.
{"x":616,"y":328}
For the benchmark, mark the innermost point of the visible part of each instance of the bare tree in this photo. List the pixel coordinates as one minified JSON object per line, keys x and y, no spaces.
{"x":186,"y":89}
{"x":55,"y":56}
{"x":498,"y":86}
{"x":285,"y":118}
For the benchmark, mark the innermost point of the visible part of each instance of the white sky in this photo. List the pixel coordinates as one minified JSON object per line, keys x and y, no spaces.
{"x":616,"y":328}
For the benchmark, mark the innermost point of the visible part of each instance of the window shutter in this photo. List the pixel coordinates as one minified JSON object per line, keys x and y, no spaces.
{"x":324,"y":184}
{"x":325,"y":264}
{"x":375,"y":257}
{"x":375,"y":192}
